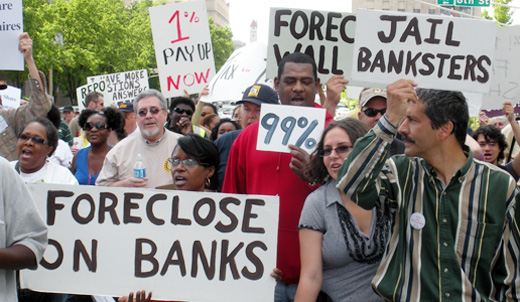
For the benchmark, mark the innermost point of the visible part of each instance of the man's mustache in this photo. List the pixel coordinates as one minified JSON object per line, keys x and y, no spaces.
{"x":404,"y":137}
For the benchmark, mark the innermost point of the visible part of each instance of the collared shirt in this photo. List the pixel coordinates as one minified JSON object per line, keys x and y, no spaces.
{"x":156,"y":142}
{"x":468,"y":247}
{"x":38,"y":105}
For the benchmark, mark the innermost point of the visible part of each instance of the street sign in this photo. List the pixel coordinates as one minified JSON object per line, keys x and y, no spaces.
{"x":446,"y":2}
{"x":472,"y":2}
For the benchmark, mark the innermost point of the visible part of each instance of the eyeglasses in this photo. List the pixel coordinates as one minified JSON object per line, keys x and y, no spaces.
{"x":188,"y":163}
{"x":98,"y":125}
{"x":339,"y":150}
{"x":490,"y":144}
{"x":37,"y":140}
{"x":371,"y":112}
{"x":144,"y":112}
{"x":182,"y":110}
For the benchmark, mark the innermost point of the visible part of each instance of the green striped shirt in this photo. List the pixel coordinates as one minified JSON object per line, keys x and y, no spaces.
{"x":468,"y":249}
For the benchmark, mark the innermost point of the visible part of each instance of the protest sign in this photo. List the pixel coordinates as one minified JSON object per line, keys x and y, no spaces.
{"x":11,"y":97}
{"x":283,"y":125}
{"x":505,"y":76}
{"x":328,"y":37}
{"x":245,"y":67}
{"x":110,"y":241}
{"x":116,"y":88}
{"x":82,"y":91}
{"x":121,"y":87}
{"x":436,"y":51}
{"x":183,"y":47}
{"x":10,"y":29}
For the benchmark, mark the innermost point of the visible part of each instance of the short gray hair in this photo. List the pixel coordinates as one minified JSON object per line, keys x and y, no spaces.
{"x":148,"y":93}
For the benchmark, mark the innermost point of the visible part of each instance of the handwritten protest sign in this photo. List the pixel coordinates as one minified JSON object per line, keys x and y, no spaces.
{"x":10,"y":29}
{"x":245,"y":67}
{"x":121,"y":87}
{"x":183,"y":47}
{"x":505,"y":76}
{"x":116,"y":88}
{"x":436,"y":51}
{"x":283,"y":125}
{"x":110,"y":241}
{"x":11,"y":97}
{"x":328,"y":37}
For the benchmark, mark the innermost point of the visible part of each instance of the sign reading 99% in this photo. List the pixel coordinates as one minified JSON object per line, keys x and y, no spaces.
{"x":281,"y":126}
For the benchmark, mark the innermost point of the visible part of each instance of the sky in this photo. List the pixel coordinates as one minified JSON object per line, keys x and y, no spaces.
{"x":243,"y":12}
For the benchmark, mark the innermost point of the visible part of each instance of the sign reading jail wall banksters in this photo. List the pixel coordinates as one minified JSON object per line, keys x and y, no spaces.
{"x":436,"y":51}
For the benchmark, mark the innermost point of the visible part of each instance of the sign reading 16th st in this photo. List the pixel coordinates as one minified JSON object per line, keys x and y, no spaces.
{"x":284,"y":125}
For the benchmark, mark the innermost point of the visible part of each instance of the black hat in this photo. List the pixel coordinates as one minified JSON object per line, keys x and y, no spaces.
{"x":126,"y":107}
{"x":68,"y":109}
{"x":259,"y":94}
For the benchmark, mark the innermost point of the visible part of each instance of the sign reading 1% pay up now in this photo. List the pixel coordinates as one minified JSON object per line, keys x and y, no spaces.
{"x":283,"y":125}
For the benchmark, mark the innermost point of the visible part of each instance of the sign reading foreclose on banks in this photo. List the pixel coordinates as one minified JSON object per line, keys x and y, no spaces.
{"x":111,"y":241}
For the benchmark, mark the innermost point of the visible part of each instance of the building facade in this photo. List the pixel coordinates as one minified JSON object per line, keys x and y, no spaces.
{"x":218,"y":10}
{"x":412,"y":6}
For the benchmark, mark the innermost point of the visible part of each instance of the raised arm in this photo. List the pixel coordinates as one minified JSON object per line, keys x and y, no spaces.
{"x":359,"y":175}
{"x":509,"y":112}
{"x":335,"y":86}
{"x":26,"y":47}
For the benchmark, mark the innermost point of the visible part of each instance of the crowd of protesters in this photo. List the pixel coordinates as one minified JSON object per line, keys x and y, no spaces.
{"x":398,"y":204}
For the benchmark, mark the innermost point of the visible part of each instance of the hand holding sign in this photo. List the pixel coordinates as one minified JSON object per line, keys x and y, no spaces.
{"x":284,"y":125}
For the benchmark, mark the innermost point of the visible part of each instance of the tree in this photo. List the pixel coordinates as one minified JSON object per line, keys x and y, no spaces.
{"x":98,"y":37}
{"x":501,"y":14}
{"x":221,"y":40}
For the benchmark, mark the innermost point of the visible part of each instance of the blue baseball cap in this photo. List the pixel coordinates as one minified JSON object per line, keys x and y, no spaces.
{"x":259,"y":94}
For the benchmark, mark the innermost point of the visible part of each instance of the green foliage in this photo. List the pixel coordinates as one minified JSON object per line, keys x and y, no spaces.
{"x":222,"y":44}
{"x":501,"y":14}
{"x":99,"y":37}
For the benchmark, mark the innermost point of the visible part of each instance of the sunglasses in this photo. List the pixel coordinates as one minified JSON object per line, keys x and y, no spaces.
{"x":182,"y":110}
{"x":371,"y":112}
{"x":37,"y":140}
{"x":339,"y":150}
{"x":144,"y":112}
{"x":188,"y":163}
{"x":98,"y":125}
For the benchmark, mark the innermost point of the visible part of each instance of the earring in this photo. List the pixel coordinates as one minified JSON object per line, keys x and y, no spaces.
{"x":208,"y":182}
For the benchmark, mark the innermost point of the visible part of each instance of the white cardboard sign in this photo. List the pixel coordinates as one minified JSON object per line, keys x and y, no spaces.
{"x":282,"y":125}
{"x":245,"y":67}
{"x":436,"y":51}
{"x":116,"y":88}
{"x":121,"y":87}
{"x":182,"y":246}
{"x":505,"y":79}
{"x":11,"y":27}
{"x":11,"y":97}
{"x":328,"y":37}
{"x":183,"y":47}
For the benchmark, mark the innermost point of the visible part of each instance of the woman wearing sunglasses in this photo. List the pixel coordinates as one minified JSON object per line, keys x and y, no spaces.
{"x":341,"y":244}
{"x":98,"y":125}
{"x":180,"y":116}
{"x":193,"y":162}
{"x":37,"y":141}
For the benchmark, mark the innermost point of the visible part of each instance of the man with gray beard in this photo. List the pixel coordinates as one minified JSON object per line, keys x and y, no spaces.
{"x":154,"y":143}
